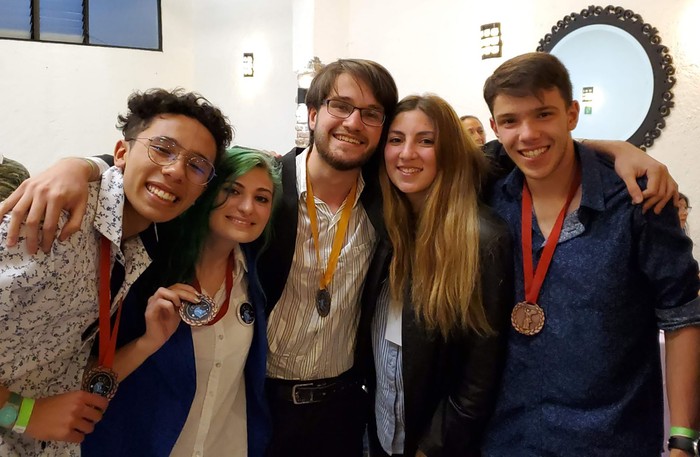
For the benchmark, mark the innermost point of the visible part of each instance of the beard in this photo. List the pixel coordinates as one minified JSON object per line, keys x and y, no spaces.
{"x":338,"y":160}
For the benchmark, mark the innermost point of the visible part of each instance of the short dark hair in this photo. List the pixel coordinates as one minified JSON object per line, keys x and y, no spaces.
{"x":528,"y":75}
{"x":145,"y":106}
{"x":378,"y":78}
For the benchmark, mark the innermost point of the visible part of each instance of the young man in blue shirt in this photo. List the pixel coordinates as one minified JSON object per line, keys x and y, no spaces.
{"x":595,"y":280}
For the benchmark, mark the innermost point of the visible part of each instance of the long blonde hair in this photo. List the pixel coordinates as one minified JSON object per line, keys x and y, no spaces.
{"x":436,"y":252}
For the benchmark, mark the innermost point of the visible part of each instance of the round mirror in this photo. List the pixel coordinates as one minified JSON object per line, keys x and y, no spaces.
{"x":621,"y":75}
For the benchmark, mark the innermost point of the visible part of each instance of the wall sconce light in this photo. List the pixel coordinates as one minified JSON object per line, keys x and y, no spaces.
{"x":491,"y":44}
{"x":248,"y":69}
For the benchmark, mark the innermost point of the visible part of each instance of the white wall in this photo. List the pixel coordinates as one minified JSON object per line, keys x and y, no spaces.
{"x":435,"y":48}
{"x":60,"y":100}
{"x":261,"y":108}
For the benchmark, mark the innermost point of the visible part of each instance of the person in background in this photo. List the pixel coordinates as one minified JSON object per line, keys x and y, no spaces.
{"x":49,"y":301}
{"x":439,"y":328}
{"x":12,"y":173}
{"x":595,"y":281}
{"x":474,"y":128}
{"x":198,"y":386}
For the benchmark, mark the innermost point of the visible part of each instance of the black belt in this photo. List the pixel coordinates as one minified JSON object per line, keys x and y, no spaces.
{"x":306,"y":392}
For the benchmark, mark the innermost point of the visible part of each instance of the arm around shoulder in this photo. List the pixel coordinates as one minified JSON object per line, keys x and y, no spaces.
{"x":39,"y":201}
{"x":632,"y":163}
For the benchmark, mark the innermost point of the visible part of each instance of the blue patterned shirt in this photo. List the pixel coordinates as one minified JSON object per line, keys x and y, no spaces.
{"x":590,"y":383}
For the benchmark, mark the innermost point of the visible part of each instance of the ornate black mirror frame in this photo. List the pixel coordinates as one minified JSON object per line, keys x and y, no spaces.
{"x":647,"y":36}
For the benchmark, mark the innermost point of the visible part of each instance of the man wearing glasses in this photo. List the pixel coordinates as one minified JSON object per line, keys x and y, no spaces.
{"x":48,"y":300}
{"x":326,"y":231}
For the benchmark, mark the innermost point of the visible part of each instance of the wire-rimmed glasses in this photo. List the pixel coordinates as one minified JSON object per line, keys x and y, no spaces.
{"x":163,"y":151}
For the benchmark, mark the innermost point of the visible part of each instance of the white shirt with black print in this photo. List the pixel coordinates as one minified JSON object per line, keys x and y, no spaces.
{"x":48,"y":301}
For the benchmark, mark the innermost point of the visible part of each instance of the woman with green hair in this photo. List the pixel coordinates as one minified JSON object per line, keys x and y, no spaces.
{"x":196,"y":360}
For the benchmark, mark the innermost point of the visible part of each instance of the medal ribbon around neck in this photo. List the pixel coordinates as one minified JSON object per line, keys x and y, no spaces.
{"x":524,"y":312}
{"x":101,"y":379}
{"x":229,"y":287}
{"x":339,"y":235}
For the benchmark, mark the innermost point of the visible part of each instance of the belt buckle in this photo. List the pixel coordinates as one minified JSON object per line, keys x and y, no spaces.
{"x":296,"y":394}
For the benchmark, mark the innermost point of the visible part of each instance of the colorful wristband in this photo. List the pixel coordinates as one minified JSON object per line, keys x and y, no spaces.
{"x":25,"y":412}
{"x":10,"y":411}
{"x":683,"y":431}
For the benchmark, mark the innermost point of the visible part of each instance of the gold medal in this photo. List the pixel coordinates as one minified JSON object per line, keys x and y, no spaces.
{"x":527,"y":318}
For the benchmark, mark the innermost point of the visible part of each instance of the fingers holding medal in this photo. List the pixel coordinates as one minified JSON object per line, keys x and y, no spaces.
{"x":188,"y":304}
{"x":163,"y":312}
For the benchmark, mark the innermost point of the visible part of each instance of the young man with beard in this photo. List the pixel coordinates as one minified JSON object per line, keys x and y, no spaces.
{"x":318,"y":405}
{"x":595,"y":281}
{"x":325,"y":234}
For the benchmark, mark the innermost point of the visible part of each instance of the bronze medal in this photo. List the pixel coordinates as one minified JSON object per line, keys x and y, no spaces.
{"x":527,"y":318}
{"x":101,"y":381}
{"x":323,"y":302}
{"x":197,"y":314}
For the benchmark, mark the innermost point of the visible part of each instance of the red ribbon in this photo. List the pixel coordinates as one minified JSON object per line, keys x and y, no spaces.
{"x":108,"y":335}
{"x":229,"y":287}
{"x":533,"y":282}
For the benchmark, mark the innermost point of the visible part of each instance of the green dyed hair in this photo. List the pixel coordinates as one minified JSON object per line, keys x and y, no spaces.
{"x":183,"y":238}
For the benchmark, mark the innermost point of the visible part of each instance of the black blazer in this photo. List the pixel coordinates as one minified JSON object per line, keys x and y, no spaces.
{"x":276,"y":261}
{"x":449,"y":386}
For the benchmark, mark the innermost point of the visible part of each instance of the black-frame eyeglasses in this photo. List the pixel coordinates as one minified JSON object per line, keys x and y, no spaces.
{"x":343,"y":110}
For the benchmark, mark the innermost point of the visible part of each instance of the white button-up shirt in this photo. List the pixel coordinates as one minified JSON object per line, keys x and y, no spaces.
{"x":216,"y":423}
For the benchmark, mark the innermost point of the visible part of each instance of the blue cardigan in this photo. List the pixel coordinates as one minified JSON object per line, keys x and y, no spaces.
{"x":146,"y":416}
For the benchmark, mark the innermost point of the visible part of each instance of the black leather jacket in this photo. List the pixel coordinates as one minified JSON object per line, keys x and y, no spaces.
{"x":449,"y":386}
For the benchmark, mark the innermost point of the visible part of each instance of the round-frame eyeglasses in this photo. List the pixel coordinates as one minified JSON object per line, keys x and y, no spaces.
{"x":163,"y":151}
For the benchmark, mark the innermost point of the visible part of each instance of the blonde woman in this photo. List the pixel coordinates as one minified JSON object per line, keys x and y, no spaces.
{"x":438,"y":330}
